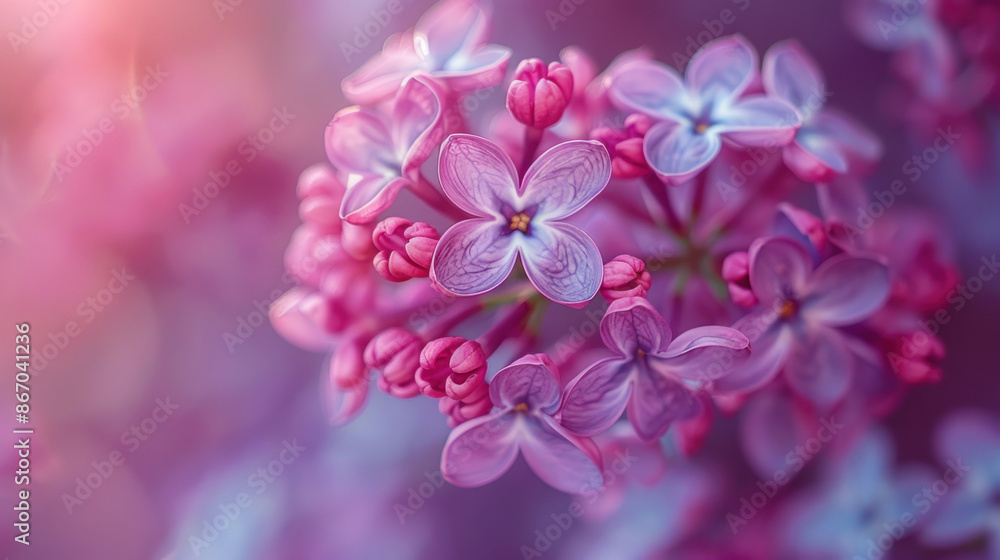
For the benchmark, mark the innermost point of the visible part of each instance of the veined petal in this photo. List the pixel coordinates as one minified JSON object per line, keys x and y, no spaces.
{"x":564,"y":461}
{"x":652,"y":88}
{"x":779,"y":267}
{"x":845,"y":290}
{"x":677,"y":153}
{"x":657,"y":400}
{"x":530,"y":380}
{"x":705,"y":354}
{"x":359,"y":141}
{"x":792,"y":75}
{"x":722,"y":69}
{"x":565,"y":178}
{"x":757,"y":120}
{"x":632,"y":324}
{"x":449,"y":28}
{"x":562,"y":262}
{"x":473,"y":257}
{"x":417,"y":127}
{"x":368,"y":197}
{"x":596,"y":398}
{"x":479,"y":451}
{"x":477,"y":175}
{"x":820,"y":366}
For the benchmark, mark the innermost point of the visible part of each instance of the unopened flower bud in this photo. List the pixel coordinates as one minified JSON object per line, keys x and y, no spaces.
{"x":916,"y":357}
{"x":736,"y":273}
{"x":395,"y":352}
{"x":625,"y":276}
{"x":538,"y":95}
{"x":320,"y":192}
{"x":405,"y":249}
{"x":628,"y":160}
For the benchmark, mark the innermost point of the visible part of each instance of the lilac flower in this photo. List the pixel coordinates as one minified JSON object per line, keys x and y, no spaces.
{"x":448,"y":43}
{"x":475,"y":256}
{"x":796,"y":325}
{"x":382,"y":155}
{"x":709,"y":105}
{"x":652,"y":375}
{"x":829,"y":142}
{"x":968,"y":441}
{"x":526,"y":395}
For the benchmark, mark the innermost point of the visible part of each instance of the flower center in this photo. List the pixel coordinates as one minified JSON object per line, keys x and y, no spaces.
{"x":523,"y":407}
{"x":787,"y":309}
{"x":520,"y":222}
{"x":700,"y":128}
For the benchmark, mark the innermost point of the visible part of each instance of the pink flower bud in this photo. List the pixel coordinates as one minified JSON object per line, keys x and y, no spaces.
{"x":405,"y":249}
{"x":395,"y":352}
{"x":321,"y":193}
{"x":916,"y":357}
{"x":625,"y":276}
{"x":538,"y":95}
{"x":628,"y":160}
{"x":452,"y":367}
{"x":807,"y":223}
{"x":736,"y":273}
{"x":432,"y":375}
{"x":347,"y":368}
{"x":461,"y":411}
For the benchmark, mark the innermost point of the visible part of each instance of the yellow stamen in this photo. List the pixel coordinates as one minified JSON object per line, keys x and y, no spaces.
{"x":700,"y":128}
{"x":521,"y":408}
{"x":520,"y":221}
{"x":786,"y":309}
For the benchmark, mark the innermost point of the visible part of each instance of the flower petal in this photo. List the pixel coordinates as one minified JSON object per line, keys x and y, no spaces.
{"x":757,"y":120}
{"x":449,"y":28}
{"x":564,"y":461}
{"x":565,"y":178}
{"x":473,"y":257}
{"x":562,"y":262}
{"x":342,"y":404}
{"x":962,"y":515}
{"x":845,"y":290}
{"x":417,"y":126}
{"x":724,"y":68}
{"x":358,"y":141}
{"x":814,"y":157}
{"x":368,"y":197}
{"x":657,"y":400}
{"x":770,"y":342}
{"x":973,"y":436}
{"x":819,"y":366}
{"x":379,"y":78}
{"x":706,"y":354}
{"x":677,"y":153}
{"x":477,"y":175}
{"x":529,"y":380}
{"x":856,"y":140}
{"x":482,"y":69}
{"x":480,"y":450}
{"x":779,"y":267}
{"x":792,"y":75}
{"x":632,"y":324}
{"x":596,"y":398}
{"x":770,"y":426}
{"x":298,"y":315}
{"x":650,"y":87}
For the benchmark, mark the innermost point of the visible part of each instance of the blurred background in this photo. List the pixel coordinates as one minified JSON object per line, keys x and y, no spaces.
{"x":149,"y":153}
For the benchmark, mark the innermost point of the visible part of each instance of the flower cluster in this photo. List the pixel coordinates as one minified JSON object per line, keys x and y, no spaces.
{"x":652,"y":207}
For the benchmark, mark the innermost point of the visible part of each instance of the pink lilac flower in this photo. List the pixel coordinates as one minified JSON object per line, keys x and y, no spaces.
{"x":653,"y":375}
{"x":526,"y":395}
{"x":796,"y":326}
{"x":709,"y":105}
{"x":829,"y":142}
{"x":449,"y":43}
{"x":520,"y":219}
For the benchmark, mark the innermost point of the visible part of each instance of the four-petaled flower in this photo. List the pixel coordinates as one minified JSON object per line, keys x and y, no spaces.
{"x":511,"y":218}
{"x":526,"y":395}
{"x":654,"y":375}
{"x":695,"y":114}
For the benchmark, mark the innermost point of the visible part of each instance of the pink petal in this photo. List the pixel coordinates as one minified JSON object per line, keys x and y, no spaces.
{"x":379,"y":79}
{"x":649,"y":87}
{"x":792,"y":75}
{"x":855,"y":139}
{"x":565,"y":178}
{"x":706,"y":354}
{"x":482,"y":69}
{"x":596,"y":398}
{"x":298,"y":316}
{"x":530,"y":380}
{"x":479,"y":451}
{"x":814,"y":157}
{"x":845,"y":290}
{"x":358,"y":141}
{"x":417,"y":126}
{"x":779,"y":268}
{"x":657,"y":400}
{"x":758,"y":121}
{"x":451,"y":27}
{"x":562,"y":262}
{"x":473,"y":257}
{"x":566,"y":462}
{"x":677,"y":153}
{"x":342,"y":404}
{"x":770,"y":343}
{"x":632,"y":324}
{"x":477,"y":175}
{"x":368,"y":197}
{"x":819,"y":366}
{"x":840,"y":200}
{"x":724,"y":68}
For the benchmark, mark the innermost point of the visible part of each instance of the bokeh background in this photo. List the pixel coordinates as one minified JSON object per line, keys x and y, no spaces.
{"x":114,"y":113}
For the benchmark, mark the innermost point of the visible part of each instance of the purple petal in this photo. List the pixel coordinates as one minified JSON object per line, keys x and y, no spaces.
{"x":724,"y":68}
{"x":358,"y":141}
{"x":565,"y":178}
{"x":649,"y":87}
{"x":596,"y":398}
{"x":342,"y":404}
{"x":856,"y":140}
{"x":677,"y":153}
{"x":962,"y":515}
{"x":770,"y":343}
{"x":479,"y":451}
{"x":379,"y":79}
{"x":566,"y":462}
{"x":706,"y":354}
{"x":973,"y":436}
{"x":562,"y":262}
{"x":530,"y":380}
{"x":482,"y":69}
{"x":473,"y":257}
{"x":657,"y":401}
{"x":758,"y":121}
{"x":368,"y":197}
{"x":417,"y":127}
{"x":770,"y":427}
{"x":779,"y":268}
{"x":632,"y":324}
{"x":477,"y":175}
{"x":449,"y":28}
{"x":792,"y":75}
{"x":840,"y":200}
{"x":845,"y":290}
{"x":819,"y":366}
{"x":815,"y":157}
